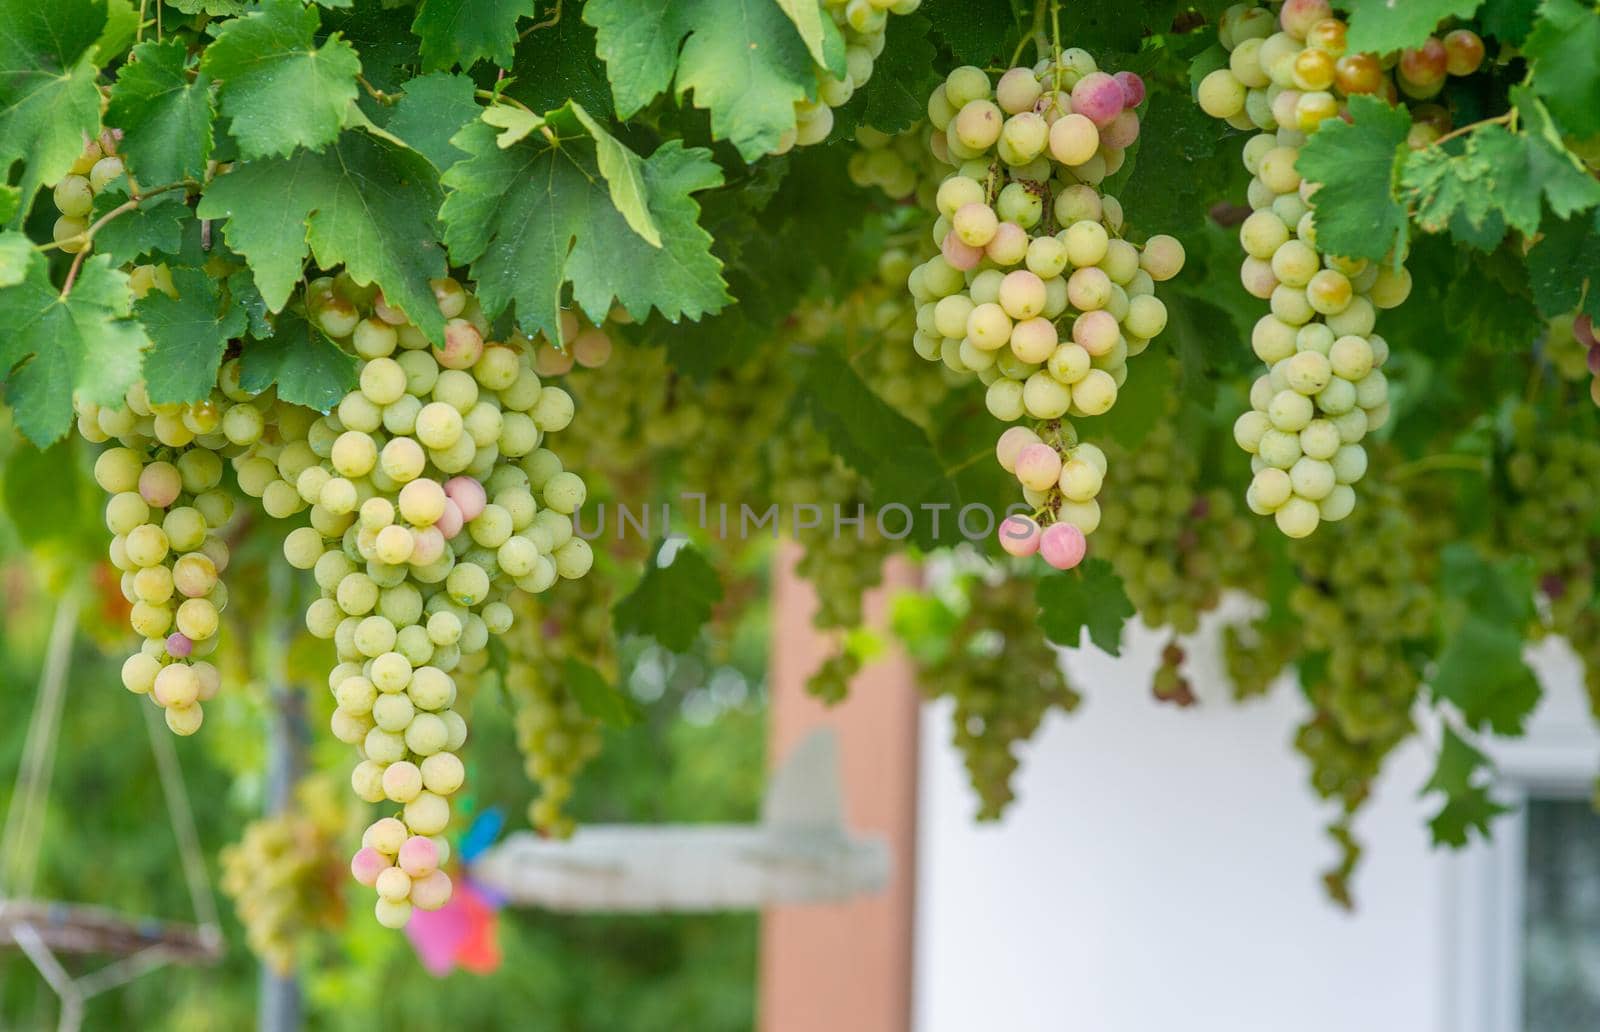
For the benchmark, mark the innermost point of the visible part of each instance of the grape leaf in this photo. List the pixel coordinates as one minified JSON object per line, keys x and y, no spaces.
{"x":672,"y":602}
{"x":561,"y":67}
{"x":364,"y":202}
{"x":1183,"y":154}
{"x":1101,"y":25}
{"x":381,"y":34}
{"x":214,"y":8}
{"x":743,"y":60}
{"x":190,"y":333}
{"x":279,"y":89}
{"x":1509,"y":21}
{"x":1565,"y":262}
{"x":596,"y":697}
{"x":432,"y":109}
{"x":896,"y":97}
{"x":156,"y":225}
{"x":1562,"y":47}
{"x":624,"y":176}
{"x":122,"y":24}
{"x":83,"y":344}
{"x":1358,"y":164}
{"x":975,"y":32}
{"x":10,"y":201}
{"x":165,"y":117}
{"x":242,"y":288}
{"x":48,"y":99}
{"x":1468,"y":805}
{"x":1384,"y":25}
{"x":44,"y":496}
{"x":1500,"y":592}
{"x":1490,"y":303}
{"x":1141,"y":403}
{"x":890,"y":451}
{"x":1481,"y":670}
{"x":465,"y":32}
{"x":533,"y":216}
{"x":1089,"y":598}
{"x":821,"y":36}
{"x":16,"y":257}
{"x":307,"y":367}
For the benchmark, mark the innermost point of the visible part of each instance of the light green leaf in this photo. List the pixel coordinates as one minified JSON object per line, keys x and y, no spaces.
{"x":514,"y":123}
{"x":1358,"y":164}
{"x":672,"y":602}
{"x":17,"y":258}
{"x":122,"y":24}
{"x":826,"y":47}
{"x":83,"y":344}
{"x":1384,"y":25}
{"x":597,"y":697}
{"x":464,"y":32}
{"x":306,"y":367}
{"x":190,"y":333}
{"x":624,"y":174}
{"x":533,"y":217}
{"x":742,"y":59}
{"x":48,"y":101}
{"x":279,"y":89}
{"x":1090,"y":598}
{"x":166,"y":117}
{"x":433,"y":109}
{"x":1566,"y":73}
{"x":364,"y":203}
{"x":10,"y":202}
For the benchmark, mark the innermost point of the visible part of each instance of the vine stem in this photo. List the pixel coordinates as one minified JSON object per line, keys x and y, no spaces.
{"x":375,"y":93}
{"x":554,"y":19}
{"x":1508,"y":118}
{"x":1035,"y":32}
{"x":1439,"y":463}
{"x":1055,"y":44}
{"x":87,"y":236}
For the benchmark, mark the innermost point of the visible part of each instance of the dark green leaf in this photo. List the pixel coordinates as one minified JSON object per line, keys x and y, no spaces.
{"x":1468,"y":806}
{"x":82,"y":345}
{"x":1380,"y":26}
{"x":433,"y":109}
{"x":1358,"y":165}
{"x":307,"y":367}
{"x":364,"y":203}
{"x":1482,"y":672}
{"x":597,"y":698}
{"x":44,"y":497}
{"x":1089,"y":598}
{"x":558,"y":64}
{"x":742,"y":59}
{"x":886,"y":448}
{"x":532,"y":217}
{"x":671,"y":603}
{"x":280,"y":90}
{"x":464,"y":32}
{"x":896,"y":97}
{"x":974,"y":30}
{"x":190,"y":333}
{"x":156,"y":226}
{"x":1509,"y":21}
{"x":1562,"y":47}
{"x":1184,"y":156}
{"x":165,"y":116}
{"x":48,"y":100}
{"x":1565,"y":262}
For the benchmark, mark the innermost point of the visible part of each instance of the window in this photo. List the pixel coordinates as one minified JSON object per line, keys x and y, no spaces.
{"x":1560,"y":915}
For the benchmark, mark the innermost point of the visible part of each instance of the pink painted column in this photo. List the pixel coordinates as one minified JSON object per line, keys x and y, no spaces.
{"x":845,"y":967}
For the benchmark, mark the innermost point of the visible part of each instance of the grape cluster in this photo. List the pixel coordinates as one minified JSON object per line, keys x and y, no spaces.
{"x":283,"y":875}
{"x":168,"y":502}
{"x":1034,"y":288}
{"x":1170,"y":684}
{"x":1176,"y":546}
{"x":862,"y":23}
{"x":841,"y":560}
{"x":95,"y":169}
{"x":1294,"y":71}
{"x":432,"y":500}
{"x":895,"y":163}
{"x":555,"y":736}
{"x":1324,"y":388}
{"x":1256,"y":653}
{"x":1003,"y":678}
{"x":1555,"y":474}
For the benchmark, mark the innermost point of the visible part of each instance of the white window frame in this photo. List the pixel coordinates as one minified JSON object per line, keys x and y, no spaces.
{"x":1483,"y":899}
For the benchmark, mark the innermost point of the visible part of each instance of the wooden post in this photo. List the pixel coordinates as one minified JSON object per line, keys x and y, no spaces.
{"x":845,"y":967}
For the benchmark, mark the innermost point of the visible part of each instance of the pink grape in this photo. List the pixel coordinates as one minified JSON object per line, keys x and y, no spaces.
{"x":427,"y":546}
{"x":468,"y":495}
{"x":1038,"y":467}
{"x":1583,"y":328}
{"x":450,"y":522}
{"x":367,"y":864}
{"x":1062,"y":545}
{"x":1098,"y":97}
{"x":1096,"y":332}
{"x":1594,"y":361}
{"x":1132,"y":88}
{"x":419,"y":856}
{"x":960,"y":254}
{"x":463,"y":345}
{"x":179,"y":645}
{"x":1009,"y":246}
{"x":1019,"y":535}
{"x":160,"y":483}
{"x":1010,"y":445}
{"x":431,"y":891}
{"x":1123,"y":130}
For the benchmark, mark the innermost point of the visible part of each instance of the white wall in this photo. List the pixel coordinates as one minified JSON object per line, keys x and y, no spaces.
{"x":1159,"y":872}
